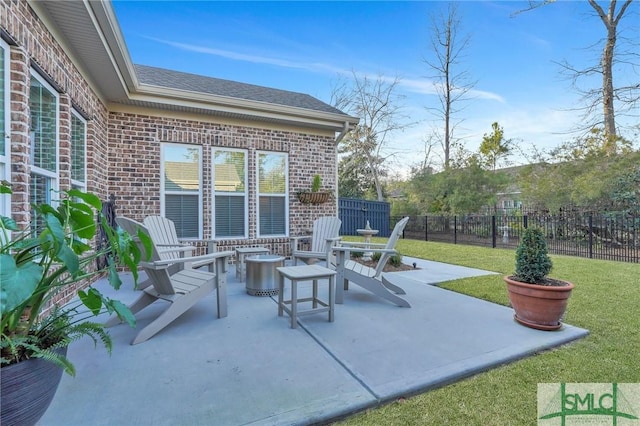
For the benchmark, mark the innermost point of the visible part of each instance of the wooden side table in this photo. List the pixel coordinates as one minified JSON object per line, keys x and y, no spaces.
{"x":305,"y":273}
{"x":241,"y":253}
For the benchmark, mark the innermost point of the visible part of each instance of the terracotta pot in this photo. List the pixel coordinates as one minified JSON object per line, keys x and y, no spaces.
{"x":27,"y":390}
{"x":314,"y":197}
{"x":538,"y":306}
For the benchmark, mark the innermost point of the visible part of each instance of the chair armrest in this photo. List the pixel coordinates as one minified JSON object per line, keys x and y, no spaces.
{"x":295,"y":240}
{"x":172,"y":248}
{"x":357,"y":249}
{"x":362,"y":245}
{"x":204,"y":257}
{"x":211,"y":244}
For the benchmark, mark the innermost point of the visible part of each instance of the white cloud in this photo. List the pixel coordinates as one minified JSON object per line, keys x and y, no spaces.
{"x":256,"y":59}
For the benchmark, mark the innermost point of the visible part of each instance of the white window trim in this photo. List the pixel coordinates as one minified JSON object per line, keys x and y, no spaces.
{"x":286,"y":194}
{"x":163,"y":193}
{"x":245,"y":194}
{"x":77,"y":183}
{"x":5,"y":157}
{"x":54,"y":176}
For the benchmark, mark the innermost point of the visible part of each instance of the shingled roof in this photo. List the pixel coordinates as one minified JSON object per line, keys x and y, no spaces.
{"x":215,"y":86}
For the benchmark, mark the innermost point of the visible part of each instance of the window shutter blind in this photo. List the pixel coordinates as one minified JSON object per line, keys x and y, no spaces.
{"x":230,"y":216}
{"x":183,"y":211}
{"x":272,"y":215}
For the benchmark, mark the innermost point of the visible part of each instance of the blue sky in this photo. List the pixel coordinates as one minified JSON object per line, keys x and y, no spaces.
{"x":306,"y":46}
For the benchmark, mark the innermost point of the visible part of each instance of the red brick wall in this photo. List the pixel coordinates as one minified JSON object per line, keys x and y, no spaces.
{"x":34,"y":43}
{"x":136,"y":181}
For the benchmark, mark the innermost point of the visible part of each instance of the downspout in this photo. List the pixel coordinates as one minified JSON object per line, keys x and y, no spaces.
{"x":343,"y":133}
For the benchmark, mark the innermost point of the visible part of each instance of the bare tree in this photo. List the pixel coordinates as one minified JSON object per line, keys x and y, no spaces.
{"x":379,"y":107}
{"x":608,"y":95}
{"x":452,"y":82}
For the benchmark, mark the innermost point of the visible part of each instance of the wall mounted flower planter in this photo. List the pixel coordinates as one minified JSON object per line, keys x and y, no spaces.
{"x":314,"y":197}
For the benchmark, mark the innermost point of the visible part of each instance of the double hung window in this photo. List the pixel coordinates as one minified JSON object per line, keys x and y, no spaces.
{"x":272,"y":194}
{"x":43,"y":104}
{"x":78,"y":152}
{"x":181,"y":170}
{"x":230,"y":193}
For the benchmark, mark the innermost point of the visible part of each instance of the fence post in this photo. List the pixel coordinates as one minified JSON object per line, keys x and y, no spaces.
{"x":493,"y":231}
{"x":590,"y":236}
{"x":525,"y":221}
{"x":426,"y":225}
{"x":455,"y":229}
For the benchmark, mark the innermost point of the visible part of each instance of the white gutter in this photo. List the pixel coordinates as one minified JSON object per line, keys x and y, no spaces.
{"x":343,"y":133}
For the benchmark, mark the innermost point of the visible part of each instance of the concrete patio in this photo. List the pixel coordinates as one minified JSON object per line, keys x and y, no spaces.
{"x":251,"y":368}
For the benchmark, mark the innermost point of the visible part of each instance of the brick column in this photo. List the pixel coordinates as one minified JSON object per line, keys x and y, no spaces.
{"x":20,"y":78}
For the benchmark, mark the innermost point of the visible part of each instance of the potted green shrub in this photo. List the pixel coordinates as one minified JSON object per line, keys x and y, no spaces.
{"x":538,"y":301}
{"x":51,"y":258}
{"x":316,"y":195}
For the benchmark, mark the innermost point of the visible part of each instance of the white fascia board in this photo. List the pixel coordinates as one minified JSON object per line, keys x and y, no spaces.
{"x":163,"y":95}
{"x":114,"y":42}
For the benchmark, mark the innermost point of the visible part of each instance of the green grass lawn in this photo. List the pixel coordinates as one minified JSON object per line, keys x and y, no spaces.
{"x":605,"y":301}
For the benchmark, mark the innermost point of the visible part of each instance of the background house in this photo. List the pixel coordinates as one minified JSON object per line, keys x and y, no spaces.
{"x":220,"y":158}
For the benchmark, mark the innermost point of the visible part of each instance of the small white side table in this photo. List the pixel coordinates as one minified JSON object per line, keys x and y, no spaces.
{"x":305,"y":273}
{"x":241,"y":253}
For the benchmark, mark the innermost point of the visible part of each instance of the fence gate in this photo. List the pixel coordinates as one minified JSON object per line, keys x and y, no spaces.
{"x":354,"y":214}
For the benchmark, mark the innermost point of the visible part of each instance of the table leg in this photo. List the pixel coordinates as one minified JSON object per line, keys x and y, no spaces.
{"x":332,"y":297}
{"x":280,"y":294}
{"x":315,"y":294}
{"x":294,"y":303}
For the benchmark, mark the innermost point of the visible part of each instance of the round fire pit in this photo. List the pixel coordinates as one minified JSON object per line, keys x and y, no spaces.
{"x":262,"y":277}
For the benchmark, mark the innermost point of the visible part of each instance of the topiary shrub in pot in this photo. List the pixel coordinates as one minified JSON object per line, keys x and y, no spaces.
{"x":539,"y":302}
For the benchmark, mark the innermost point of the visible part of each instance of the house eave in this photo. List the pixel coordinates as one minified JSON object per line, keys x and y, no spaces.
{"x":167,"y":98}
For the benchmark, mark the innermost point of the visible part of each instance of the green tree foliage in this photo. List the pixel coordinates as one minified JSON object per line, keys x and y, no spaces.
{"x":494,"y":146}
{"x":466,"y":188}
{"x":590,"y":172}
{"x":354,"y":175}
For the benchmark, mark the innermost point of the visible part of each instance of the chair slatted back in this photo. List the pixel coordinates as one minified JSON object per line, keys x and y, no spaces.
{"x":323,"y":228}
{"x":163,"y":232}
{"x":159,"y":277}
{"x":391,"y":244}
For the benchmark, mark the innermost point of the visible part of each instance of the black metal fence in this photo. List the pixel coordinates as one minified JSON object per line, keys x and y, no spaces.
{"x":593,"y":235}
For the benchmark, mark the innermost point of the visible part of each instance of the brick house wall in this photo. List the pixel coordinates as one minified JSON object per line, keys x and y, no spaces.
{"x":136,"y":181}
{"x":33,"y":44}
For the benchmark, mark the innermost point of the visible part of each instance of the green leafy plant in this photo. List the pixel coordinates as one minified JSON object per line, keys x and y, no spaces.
{"x":316,"y":183}
{"x":533,"y":263}
{"x":396,"y":260}
{"x":357,"y":254}
{"x":52,"y":257}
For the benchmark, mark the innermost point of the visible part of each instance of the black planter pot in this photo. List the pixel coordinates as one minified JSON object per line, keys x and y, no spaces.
{"x":27,"y":390}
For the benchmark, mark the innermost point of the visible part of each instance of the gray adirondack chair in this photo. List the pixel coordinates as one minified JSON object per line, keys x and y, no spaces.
{"x":163,"y":233}
{"x":369,"y":278}
{"x":326,"y":231}
{"x":181,"y":289}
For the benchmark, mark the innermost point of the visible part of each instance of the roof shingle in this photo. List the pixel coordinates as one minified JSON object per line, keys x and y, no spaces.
{"x":233,"y":89}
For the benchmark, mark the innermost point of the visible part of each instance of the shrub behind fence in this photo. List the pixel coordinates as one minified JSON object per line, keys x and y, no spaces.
{"x":592,"y":235}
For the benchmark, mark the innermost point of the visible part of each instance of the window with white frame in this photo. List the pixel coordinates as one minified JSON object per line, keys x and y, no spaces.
{"x":181,"y":170}
{"x":43,"y":104}
{"x":272,"y":194}
{"x":78,"y":152}
{"x":5,"y":125}
{"x":230,"y":193}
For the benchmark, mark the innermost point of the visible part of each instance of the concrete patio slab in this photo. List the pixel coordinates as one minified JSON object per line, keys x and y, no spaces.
{"x":252,"y":368}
